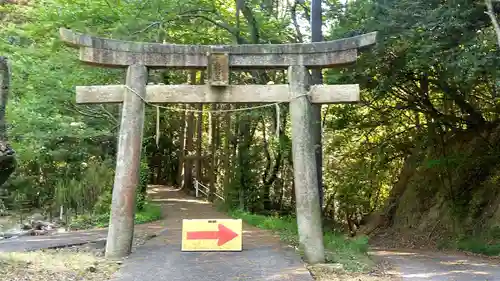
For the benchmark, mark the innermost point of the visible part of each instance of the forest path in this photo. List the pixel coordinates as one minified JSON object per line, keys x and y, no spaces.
{"x":417,"y":265}
{"x":264,"y":256}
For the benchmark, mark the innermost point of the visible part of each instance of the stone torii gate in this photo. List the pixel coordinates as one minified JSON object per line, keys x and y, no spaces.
{"x":218,"y":60}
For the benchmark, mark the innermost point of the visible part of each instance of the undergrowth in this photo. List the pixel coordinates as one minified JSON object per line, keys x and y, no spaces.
{"x":478,"y":246}
{"x":149,"y":212}
{"x":487,"y":243}
{"x":351,"y":253}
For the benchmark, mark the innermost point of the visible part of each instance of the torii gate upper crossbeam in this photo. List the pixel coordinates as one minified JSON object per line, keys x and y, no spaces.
{"x":118,"y":53}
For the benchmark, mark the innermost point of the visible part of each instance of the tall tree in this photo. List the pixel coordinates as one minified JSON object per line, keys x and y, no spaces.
{"x":7,"y":160}
{"x":317,"y":77}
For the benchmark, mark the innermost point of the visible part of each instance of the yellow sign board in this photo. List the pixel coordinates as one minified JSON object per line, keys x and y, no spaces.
{"x":212,"y":235}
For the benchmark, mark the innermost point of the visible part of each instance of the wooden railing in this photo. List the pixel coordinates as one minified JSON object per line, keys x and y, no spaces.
{"x":205,"y":190}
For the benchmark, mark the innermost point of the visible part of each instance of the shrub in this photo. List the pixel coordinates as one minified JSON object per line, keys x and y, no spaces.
{"x":103,"y":204}
{"x":81,"y":222}
{"x":150,"y":212}
{"x":141,"y":192}
{"x":81,"y":193}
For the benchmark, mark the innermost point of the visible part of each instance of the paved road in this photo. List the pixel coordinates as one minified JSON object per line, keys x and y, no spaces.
{"x":57,"y":240}
{"x":263,"y":258}
{"x":167,"y":262}
{"x":429,"y":266}
{"x":32,"y":243}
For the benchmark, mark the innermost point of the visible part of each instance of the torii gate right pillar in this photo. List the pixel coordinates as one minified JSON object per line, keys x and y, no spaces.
{"x":304,"y":167}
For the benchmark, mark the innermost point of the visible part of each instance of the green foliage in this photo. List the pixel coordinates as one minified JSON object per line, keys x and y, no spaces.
{"x":486,"y":242}
{"x":2,"y":207}
{"x":53,"y":140}
{"x":82,"y":222}
{"x":428,"y":83}
{"x":81,"y":194}
{"x":103,"y":204}
{"x":150,"y":212}
{"x":144,"y":174}
{"x":66,"y":152}
{"x":478,"y":246}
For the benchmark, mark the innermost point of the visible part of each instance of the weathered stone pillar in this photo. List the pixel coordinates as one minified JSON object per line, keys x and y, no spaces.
{"x":304,"y":167}
{"x":121,"y":224}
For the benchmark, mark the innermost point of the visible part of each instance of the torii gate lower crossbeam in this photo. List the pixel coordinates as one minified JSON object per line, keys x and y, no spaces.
{"x":218,"y":60}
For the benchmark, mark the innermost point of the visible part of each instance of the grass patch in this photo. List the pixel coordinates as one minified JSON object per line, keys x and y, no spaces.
{"x":478,"y":246}
{"x":150,"y":212}
{"x":486,"y":243}
{"x":351,"y":253}
{"x":475,"y":245}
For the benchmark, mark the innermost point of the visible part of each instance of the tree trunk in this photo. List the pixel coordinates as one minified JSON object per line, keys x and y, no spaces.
{"x":182,"y":147}
{"x":491,"y":13}
{"x":199,"y":141}
{"x":188,"y":163}
{"x":213,"y":149}
{"x":227,"y":150}
{"x":7,"y":154}
{"x":266,"y":189}
{"x":5,"y":76}
{"x":317,"y":78}
{"x":199,"y":136}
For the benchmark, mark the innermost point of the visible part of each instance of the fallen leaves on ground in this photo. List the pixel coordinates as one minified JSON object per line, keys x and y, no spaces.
{"x":335,"y":272}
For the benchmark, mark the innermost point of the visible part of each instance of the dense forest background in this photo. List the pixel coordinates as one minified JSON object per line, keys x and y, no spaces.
{"x":419,"y":157}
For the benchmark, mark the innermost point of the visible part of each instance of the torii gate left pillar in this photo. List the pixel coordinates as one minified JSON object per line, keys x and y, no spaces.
{"x":137,"y":57}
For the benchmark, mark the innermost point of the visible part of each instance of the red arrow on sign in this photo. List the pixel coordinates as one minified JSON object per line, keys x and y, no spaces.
{"x":223,"y":235}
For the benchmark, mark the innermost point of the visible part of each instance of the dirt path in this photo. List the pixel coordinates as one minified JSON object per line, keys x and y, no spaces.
{"x":263,"y":257}
{"x":414,"y":265}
